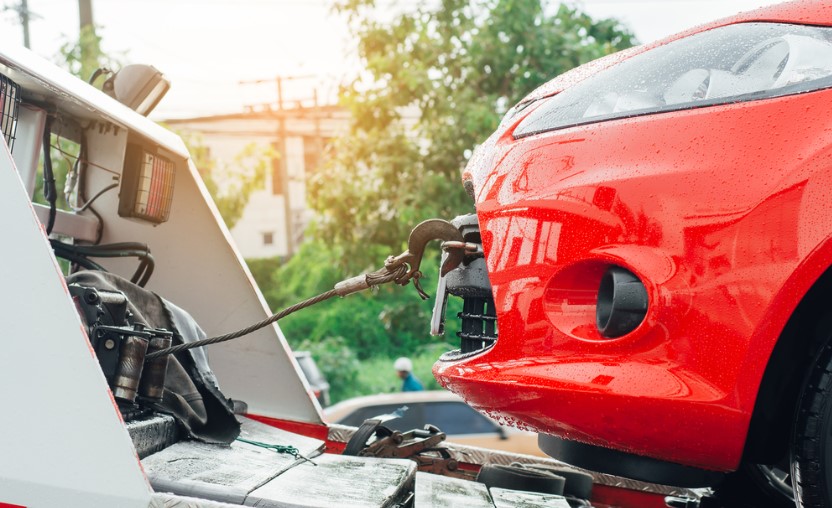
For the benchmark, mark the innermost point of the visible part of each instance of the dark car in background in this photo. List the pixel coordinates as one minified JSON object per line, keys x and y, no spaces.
{"x":314,"y":376}
{"x":443,"y":409}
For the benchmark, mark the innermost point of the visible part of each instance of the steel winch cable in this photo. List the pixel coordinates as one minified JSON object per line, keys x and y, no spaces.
{"x":343,"y":288}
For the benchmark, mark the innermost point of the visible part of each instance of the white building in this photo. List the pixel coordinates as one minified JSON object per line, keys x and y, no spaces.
{"x":276,"y":216}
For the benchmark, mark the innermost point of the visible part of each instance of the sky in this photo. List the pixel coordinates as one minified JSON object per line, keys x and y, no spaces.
{"x":207,"y":48}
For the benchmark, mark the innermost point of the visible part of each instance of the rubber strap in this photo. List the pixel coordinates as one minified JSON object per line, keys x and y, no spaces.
{"x":358,"y":441}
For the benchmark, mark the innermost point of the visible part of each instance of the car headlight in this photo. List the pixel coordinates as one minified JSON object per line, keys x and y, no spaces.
{"x":734,"y":63}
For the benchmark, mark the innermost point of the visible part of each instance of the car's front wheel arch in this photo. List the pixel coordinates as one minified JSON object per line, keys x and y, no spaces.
{"x":768,"y":443}
{"x":776,"y":403}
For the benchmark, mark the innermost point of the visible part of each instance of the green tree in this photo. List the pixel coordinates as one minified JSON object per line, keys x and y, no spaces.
{"x":438,"y":77}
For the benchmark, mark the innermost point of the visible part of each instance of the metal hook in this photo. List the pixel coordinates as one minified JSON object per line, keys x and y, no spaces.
{"x":420,"y":236}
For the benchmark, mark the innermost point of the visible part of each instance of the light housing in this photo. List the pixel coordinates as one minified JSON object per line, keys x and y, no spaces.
{"x":146,"y":185}
{"x":139,"y":87}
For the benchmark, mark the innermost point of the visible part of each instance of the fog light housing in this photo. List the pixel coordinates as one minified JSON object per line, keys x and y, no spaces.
{"x":622,"y":303}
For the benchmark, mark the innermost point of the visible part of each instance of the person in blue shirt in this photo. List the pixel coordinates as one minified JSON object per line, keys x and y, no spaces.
{"x":410,"y":383}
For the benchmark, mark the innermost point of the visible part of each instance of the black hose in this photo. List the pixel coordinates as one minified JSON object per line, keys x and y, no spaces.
{"x":96,"y":196}
{"x":79,"y":260}
{"x":75,"y":253}
{"x":144,"y":271}
{"x":113,"y":246}
{"x":50,"y":193}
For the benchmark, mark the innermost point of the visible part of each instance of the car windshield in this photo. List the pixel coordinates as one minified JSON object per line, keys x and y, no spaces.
{"x":727,"y":64}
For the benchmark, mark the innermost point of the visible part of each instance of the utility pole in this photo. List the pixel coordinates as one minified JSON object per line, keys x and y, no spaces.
{"x":24,"y":20}
{"x":25,"y":16}
{"x":281,"y":172}
{"x":87,"y":40}
{"x":284,"y":170}
{"x":84,"y":13}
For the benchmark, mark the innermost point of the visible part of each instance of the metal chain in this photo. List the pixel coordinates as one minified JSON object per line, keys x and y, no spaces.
{"x":376,"y":278}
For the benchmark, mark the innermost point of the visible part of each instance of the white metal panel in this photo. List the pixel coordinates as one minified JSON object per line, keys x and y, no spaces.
{"x":62,"y":441}
{"x":80,"y":227}
{"x":197,"y":265}
{"x":338,"y":481}
{"x":505,"y":498}
{"x":29,"y":144}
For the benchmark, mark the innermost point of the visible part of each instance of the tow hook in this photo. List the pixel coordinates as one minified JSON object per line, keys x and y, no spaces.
{"x":422,"y":234}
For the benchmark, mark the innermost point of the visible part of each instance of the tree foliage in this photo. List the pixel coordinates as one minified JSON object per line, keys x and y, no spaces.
{"x":438,"y":77}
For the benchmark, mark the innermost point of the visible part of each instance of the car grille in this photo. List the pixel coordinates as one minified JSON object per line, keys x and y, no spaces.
{"x":479,"y":324}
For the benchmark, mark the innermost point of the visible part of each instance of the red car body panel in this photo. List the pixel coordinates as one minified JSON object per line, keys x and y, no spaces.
{"x":722,"y":212}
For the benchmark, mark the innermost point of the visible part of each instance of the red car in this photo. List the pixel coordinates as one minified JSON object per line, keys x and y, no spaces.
{"x":657,"y":231}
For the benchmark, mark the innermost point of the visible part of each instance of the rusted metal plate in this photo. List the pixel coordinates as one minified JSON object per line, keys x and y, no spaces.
{"x":338,"y":480}
{"x":504,"y":498}
{"x":433,"y":491}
